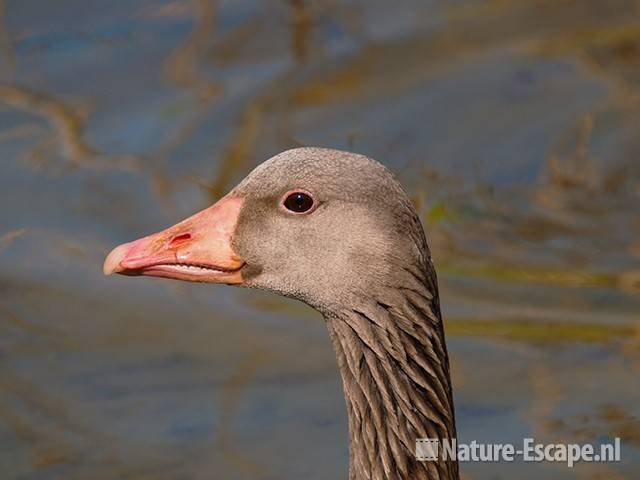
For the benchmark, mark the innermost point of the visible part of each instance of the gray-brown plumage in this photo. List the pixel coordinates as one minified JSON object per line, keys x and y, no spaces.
{"x":361,"y":259}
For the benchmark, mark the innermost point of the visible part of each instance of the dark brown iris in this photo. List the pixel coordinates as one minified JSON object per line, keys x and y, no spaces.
{"x":298,"y":202}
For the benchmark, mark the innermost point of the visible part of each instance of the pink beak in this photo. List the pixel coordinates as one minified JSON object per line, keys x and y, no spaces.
{"x":197,"y":249}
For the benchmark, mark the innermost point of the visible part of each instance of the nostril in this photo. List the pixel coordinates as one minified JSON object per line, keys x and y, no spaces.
{"x":179,"y":239}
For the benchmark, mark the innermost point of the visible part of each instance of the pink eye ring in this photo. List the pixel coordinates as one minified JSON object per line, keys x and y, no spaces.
{"x":298,"y":201}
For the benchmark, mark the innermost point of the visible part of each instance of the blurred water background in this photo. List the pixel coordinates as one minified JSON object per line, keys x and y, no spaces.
{"x":515,"y":125}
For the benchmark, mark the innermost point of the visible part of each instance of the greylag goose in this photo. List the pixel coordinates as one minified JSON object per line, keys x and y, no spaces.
{"x":336,"y":231}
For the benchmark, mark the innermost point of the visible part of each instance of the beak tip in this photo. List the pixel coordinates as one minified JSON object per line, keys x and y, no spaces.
{"x":112,"y":264}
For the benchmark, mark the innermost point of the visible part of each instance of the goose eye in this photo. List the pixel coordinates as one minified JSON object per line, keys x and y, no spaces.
{"x":298,"y":202}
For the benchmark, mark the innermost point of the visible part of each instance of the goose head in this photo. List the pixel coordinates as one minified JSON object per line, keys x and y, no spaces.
{"x":323,"y":226}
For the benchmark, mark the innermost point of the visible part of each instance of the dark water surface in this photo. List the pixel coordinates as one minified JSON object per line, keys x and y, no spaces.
{"x":515,"y":125}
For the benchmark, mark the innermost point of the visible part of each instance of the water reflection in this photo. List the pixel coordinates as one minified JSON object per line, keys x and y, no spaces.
{"x":513,"y":124}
